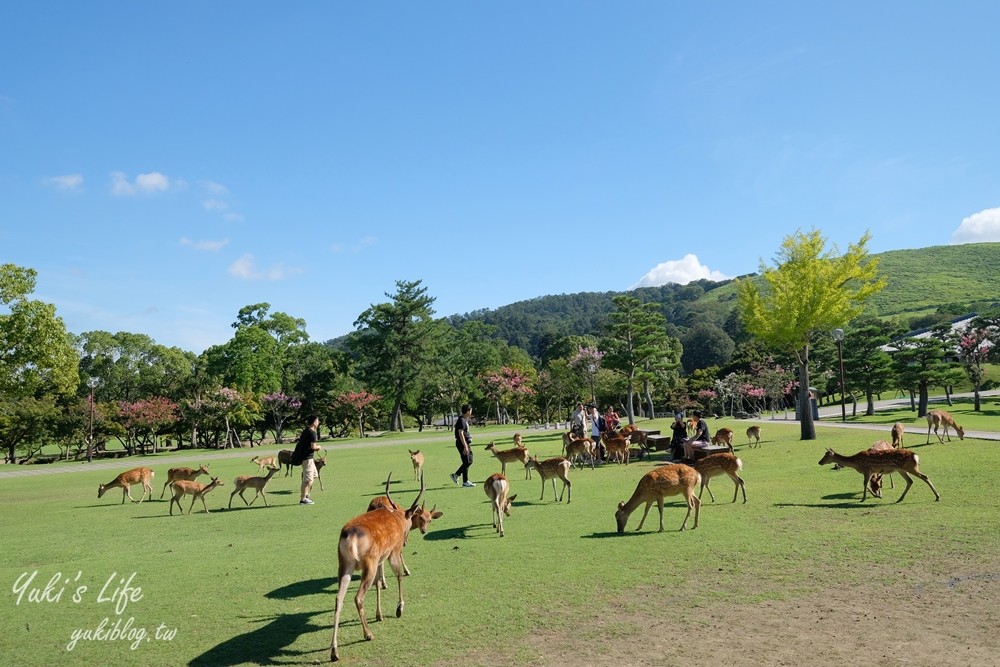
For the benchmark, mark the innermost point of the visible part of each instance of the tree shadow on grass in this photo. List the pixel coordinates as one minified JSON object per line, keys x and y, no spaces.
{"x":267,"y":645}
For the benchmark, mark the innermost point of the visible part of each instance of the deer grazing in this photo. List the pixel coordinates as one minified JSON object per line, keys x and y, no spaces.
{"x":285,"y":459}
{"x":724,"y":436}
{"x":668,"y":480}
{"x":519,"y":453}
{"x":753,"y":433}
{"x":196,"y":490}
{"x":264,"y":462}
{"x":718,"y":464}
{"x":417,"y":459}
{"x":936,"y":418}
{"x":897,"y":435}
{"x":582,"y":449}
{"x":365,"y":542}
{"x":126,"y":479}
{"x":244,"y":482}
{"x":617,"y":447}
{"x":497,"y":488}
{"x":175,"y":474}
{"x":550,"y":469}
{"x":869,"y":463}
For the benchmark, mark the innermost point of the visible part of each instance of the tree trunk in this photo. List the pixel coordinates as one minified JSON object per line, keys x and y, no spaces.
{"x":806,"y":423}
{"x":975,"y":393}
{"x":870,"y":410}
{"x":922,"y":406}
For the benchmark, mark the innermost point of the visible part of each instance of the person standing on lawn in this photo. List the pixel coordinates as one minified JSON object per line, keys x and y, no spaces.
{"x":463,"y":443}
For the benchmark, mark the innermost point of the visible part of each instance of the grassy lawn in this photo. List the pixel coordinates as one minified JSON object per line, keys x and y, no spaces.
{"x":257,"y":585}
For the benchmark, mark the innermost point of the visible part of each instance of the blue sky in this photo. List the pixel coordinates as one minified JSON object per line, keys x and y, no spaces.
{"x":164,"y":164}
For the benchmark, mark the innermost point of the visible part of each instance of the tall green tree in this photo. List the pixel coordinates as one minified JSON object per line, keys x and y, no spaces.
{"x":920,"y":364}
{"x":868,"y":367}
{"x":394,"y":342}
{"x":809,"y":290}
{"x":288,"y":332}
{"x":637,"y":345}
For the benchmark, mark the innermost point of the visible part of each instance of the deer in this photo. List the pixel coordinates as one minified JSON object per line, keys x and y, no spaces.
{"x":244,"y":482}
{"x":717,"y":464}
{"x":365,"y":542}
{"x":422,"y":521}
{"x":937,"y":418}
{"x":285,"y":459}
{"x":497,"y":487}
{"x":581,"y":449}
{"x":897,"y":435}
{"x":724,"y":436}
{"x":175,"y":474}
{"x":126,"y":479}
{"x":753,"y":433}
{"x":875,"y":483}
{"x":869,"y":463}
{"x":519,"y":453}
{"x":550,"y":469}
{"x":197,"y":490}
{"x":654,"y":486}
{"x":617,"y":447}
{"x":264,"y":462}
{"x":417,"y":459}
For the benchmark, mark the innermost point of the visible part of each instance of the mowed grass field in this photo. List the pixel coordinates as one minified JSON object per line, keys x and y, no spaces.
{"x":256,"y":586}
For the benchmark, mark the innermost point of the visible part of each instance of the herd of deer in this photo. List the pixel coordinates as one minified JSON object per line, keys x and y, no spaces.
{"x":379,"y":534}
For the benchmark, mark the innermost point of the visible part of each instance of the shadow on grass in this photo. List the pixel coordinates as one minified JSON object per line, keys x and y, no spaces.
{"x":460,"y":532}
{"x":300,"y":588}
{"x":267,"y":645}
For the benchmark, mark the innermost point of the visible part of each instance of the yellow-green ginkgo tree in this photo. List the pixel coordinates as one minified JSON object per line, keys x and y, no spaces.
{"x":809,"y":290}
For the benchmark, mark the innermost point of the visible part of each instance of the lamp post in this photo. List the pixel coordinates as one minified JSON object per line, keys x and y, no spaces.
{"x":838,"y":337}
{"x":92,"y":383}
{"x":591,"y":369}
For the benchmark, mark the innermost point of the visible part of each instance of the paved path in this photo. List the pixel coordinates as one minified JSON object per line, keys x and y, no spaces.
{"x":827,"y":413}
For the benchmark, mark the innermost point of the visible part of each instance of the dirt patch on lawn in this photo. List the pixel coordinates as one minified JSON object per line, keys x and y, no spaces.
{"x":933,"y":620}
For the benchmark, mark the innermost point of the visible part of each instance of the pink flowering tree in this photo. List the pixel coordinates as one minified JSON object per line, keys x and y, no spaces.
{"x":507,"y":388}
{"x":355,"y":403}
{"x":588,"y":361}
{"x":278,"y":408}
{"x":974,"y":348}
{"x":144,"y":420}
{"x":705,"y":397}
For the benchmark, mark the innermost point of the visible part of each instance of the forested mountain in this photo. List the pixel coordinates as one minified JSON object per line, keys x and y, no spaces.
{"x":925,"y":285}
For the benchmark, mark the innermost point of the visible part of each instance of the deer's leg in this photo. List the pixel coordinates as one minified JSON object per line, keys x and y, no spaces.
{"x":659,"y":506}
{"x":345,"y":580}
{"x":706,"y":483}
{"x":396,"y":562}
{"x":864,"y":486}
{"x":165,"y":485}
{"x":643,"y":520}
{"x":235,"y":491}
{"x":568,"y":490}
{"x":740,"y":485}
{"x":697,"y":511}
{"x":924,"y":477}
{"x":909,"y":483}
{"x":367,"y":577}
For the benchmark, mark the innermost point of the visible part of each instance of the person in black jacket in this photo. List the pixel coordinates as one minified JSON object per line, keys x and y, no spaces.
{"x":463,"y":443}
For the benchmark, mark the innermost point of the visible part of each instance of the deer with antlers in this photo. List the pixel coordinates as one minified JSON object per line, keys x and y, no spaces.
{"x":518,"y":453}
{"x":753,"y":433}
{"x":869,"y":463}
{"x":264,"y":462}
{"x":551,"y":469}
{"x":126,"y":480}
{"x":417,"y":459}
{"x":366,"y":541}
{"x":244,"y":482}
{"x":654,"y":486}
{"x":718,"y":464}
{"x":936,"y":418}
{"x":497,"y":487}
{"x":196,"y":490}
{"x":188,"y":474}
{"x":421,"y":522}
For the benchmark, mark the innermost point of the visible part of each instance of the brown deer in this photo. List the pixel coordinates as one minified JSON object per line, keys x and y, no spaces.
{"x":550,"y":469}
{"x":869,"y":463}
{"x":417,"y":459}
{"x":897,"y":435}
{"x":285,"y":459}
{"x":264,"y":462}
{"x":724,"y":436}
{"x":497,"y":487}
{"x":126,"y":479}
{"x":581,"y":449}
{"x":937,"y":418}
{"x":875,"y":483}
{"x":421,"y":519}
{"x":244,"y":482}
{"x":196,"y":490}
{"x":718,"y":464}
{"x":617,"y":447}
{"x":175,"y":474}
{"x":519,"y":453}
{"x":365,"y":542}
{"x":668,"y":480}
{"x":753,"y":433}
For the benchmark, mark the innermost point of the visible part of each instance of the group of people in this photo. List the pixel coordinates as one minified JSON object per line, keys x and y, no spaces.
{"x":683,"y":447}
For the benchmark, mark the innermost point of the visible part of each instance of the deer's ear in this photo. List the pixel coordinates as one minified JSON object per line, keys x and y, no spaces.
{"x":437,"y":515}
{"x":511,"y":499}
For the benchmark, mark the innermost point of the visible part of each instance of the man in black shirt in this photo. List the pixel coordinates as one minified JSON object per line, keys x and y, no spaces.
{"x":307,"y":445}
{"x":463,"y":443}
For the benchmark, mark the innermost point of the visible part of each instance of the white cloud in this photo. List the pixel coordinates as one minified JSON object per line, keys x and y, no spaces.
{"x":357,"y":247}
{"x":214,"y":205}
{"x":978,"y":228}
{"x":66,"y":183}
{"x":680,"y":271}
{"x":246,"y":268}
{"x":214,"y":188}
{"x":206,"y":244}
{"x":144,"y":184}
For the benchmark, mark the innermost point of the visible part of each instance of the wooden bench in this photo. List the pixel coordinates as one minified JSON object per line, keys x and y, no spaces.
{"x":658,"y":442}
{"x":702,"y":452}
